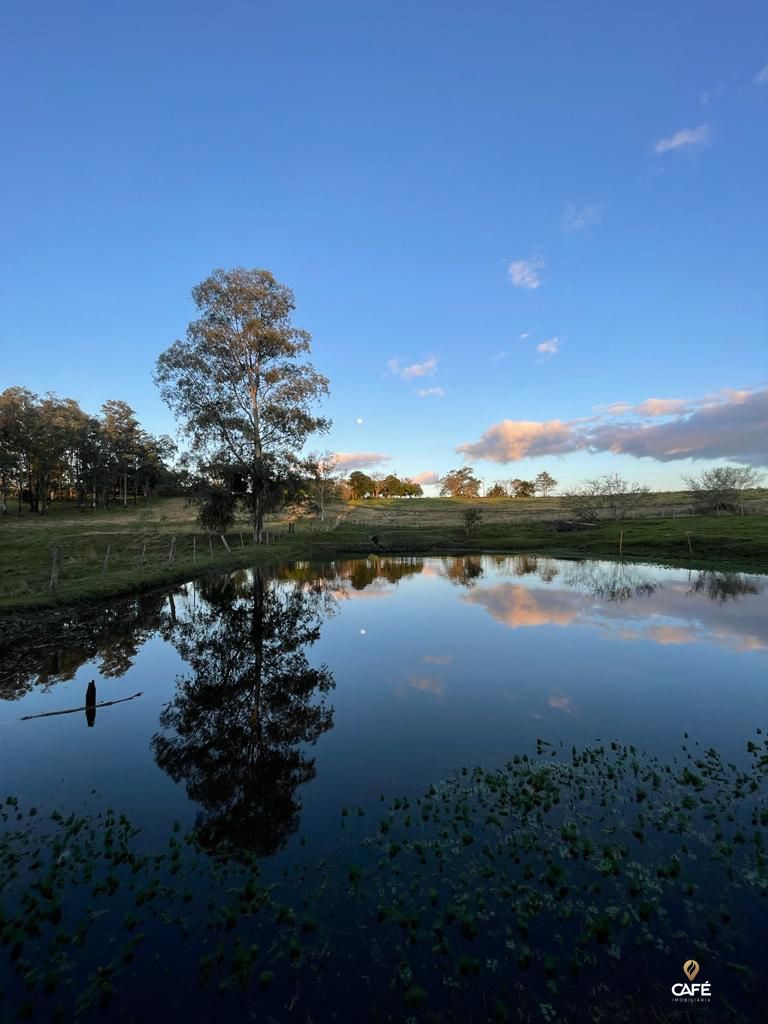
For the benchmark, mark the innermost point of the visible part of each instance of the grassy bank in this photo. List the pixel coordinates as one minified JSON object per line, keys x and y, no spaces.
{"x":124,"y":550}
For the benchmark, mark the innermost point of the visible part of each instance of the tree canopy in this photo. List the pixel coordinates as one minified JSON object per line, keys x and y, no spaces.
{"x":459,"y":483}
{"x":239,"y":384}
{"x":50,"y":446}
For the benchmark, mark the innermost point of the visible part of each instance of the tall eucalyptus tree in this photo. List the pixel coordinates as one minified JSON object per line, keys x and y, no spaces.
{"x":238,"y":383}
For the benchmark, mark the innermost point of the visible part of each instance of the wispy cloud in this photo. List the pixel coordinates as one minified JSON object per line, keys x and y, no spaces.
{"x":431,"y":392}
{"x":427,"y":684}
{"x":428,"y":368}
{"x":360,"y":460}
{"x":428,"y":477}
{"x":708,"y":95}
{"x":651,"y":407}
{"x":761,"y":78}
{"x":577,"y":216}
{"x":526,"y":273}
{"x":685,"y":137}
{"x":549,"y":348}
{"x":730,"y":425}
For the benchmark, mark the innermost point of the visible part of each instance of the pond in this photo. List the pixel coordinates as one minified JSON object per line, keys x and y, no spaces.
{"x":291,"y":725}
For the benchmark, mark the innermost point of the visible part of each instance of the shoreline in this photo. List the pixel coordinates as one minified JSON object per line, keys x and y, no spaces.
{"x":660,"y":542}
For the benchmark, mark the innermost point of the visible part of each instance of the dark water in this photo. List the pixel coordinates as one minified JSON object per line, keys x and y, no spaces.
{"x":270,"y":701}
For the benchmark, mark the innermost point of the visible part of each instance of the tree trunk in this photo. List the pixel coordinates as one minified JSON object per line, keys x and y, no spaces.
{"x":257,"y":483}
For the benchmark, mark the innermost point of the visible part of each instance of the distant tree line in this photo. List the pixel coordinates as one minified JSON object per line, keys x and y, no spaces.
{"x":51,"y":448}
{"x":461,"y":483}
{"x":379,"y":485}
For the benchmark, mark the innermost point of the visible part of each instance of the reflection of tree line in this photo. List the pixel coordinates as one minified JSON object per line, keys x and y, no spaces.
{"x":236,"y":731}
{"x":111,"y":637}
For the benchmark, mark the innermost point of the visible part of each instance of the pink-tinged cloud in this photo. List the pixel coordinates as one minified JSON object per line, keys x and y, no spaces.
{"x":512,"y":440}
{"x":662,"y":407}
{"x":428,"y":477}
{"x":427,"y":684}
{"x":724,"y":428}
{"x":685,"y":137}
{"x":652,"y":407}
{"x":561,"y":703}
{"x":731,"y":425}
{"x":438,"y":659}
{"x":522,"y":608}
{"x":360,"y":460}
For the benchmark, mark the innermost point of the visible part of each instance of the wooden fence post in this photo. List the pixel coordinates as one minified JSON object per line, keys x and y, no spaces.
{"x":210,"y":546}
{"x":55,"y":563}
{"x":688,"y":538}
{"x":106,"y":559}
{"x":224,"y":542}
{"x":194,"y":548}
{"x":242,"y":542}
{"x":141,"y":556}
{"x":172,"y":551}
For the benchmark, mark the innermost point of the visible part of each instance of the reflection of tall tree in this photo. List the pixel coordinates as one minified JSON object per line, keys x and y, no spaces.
{"x":463,"y":570}
{"x":527,"y":565}
{"x":610,"y":581}
{"x":724,"y":586}
{"x":234,"y":731}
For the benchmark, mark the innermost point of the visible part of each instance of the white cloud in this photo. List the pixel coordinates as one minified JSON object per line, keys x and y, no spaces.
{"x":550,"y":347}
{"x":360,"y":460}
{"x":431,"y":392}
{"x":428,"y":368}
{"x":359,"y":420}
{"x":428,"y":477}
{"x":685,"y":137}
{"x":761,"y":78}
{"x":577,"y":216}
{"x":525,"y":273}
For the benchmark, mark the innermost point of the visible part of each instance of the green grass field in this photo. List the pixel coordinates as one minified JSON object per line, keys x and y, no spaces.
{"x":123,"y":550}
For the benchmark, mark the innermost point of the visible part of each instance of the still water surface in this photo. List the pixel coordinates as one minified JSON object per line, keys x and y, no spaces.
{"x":272,"y":699}
{"x":348,"y":736}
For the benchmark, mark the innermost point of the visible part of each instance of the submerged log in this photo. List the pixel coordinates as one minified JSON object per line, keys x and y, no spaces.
{"x":84,"y":707}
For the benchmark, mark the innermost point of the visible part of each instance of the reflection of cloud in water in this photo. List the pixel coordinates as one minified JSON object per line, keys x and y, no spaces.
{"x":372,"y":590}
{"x":670,"y":636}
{"x":427,"y":683}
{"x":672,"y":615}
{"x":516,"y":606}
{"x":561,"y":703}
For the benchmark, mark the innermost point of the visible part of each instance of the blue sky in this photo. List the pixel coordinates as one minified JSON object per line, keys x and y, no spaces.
{"x":542,"y":214}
